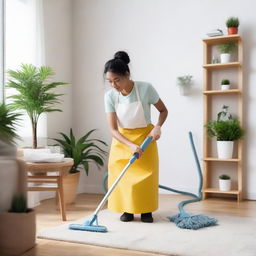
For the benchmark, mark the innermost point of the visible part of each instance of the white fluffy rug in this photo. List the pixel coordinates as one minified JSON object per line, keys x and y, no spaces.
{"x":234,"y":236}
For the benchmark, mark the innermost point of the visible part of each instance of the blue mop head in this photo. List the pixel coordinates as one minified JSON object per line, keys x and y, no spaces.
{"x":88,"y":226}
{"x":190,"y":221}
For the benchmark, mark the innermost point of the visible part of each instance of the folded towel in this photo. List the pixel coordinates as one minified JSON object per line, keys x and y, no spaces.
{"x":40,"y":155}
{"x":36,"y":150}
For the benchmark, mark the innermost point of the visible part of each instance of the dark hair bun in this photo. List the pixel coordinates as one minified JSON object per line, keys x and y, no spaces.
{"x":122,"y":56}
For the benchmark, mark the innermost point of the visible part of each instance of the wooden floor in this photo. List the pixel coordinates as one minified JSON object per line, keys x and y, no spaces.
{"x":48,"y":216}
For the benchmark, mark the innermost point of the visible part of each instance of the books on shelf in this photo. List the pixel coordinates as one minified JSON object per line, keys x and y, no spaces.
{"x":215,"y":32}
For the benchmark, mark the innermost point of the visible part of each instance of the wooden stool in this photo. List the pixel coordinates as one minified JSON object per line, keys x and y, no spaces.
{"x":40,"y":174}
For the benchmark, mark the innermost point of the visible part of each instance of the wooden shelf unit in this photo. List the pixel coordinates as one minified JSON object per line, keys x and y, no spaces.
{"x":217,"y":191}
{"x":231,"y":91}
{"x":208,"y":93}
{"x":221,"y":160}
{"x":222,"y":65}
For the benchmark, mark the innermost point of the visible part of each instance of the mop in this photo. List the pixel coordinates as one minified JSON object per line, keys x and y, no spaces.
{"x":184,"y":219}
{"x":89,"y":224}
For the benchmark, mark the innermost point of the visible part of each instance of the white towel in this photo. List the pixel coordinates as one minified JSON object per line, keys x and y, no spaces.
{"x":42,"y":155}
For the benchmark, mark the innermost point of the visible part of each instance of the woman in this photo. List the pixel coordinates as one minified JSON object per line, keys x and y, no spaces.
{"x":127,"y":106}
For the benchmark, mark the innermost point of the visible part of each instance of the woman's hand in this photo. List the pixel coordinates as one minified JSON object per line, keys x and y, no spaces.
{"x":155,"y":132}
{"x":136,"y":149}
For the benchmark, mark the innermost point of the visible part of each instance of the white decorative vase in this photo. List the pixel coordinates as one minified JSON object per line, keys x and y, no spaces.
{"x":225,"y":149}
{"x":184,"y":90}
{"x":224,"y":185}
{"x":225,"y":57}
{"x":225,"y":87}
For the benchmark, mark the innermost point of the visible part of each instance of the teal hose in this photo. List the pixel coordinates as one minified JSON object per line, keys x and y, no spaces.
{"x":197,"y":197}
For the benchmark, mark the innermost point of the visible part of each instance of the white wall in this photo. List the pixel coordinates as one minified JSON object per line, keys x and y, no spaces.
{"x":58,"y":55}
{"x":58,"y":48}
{"x":164,"y":40}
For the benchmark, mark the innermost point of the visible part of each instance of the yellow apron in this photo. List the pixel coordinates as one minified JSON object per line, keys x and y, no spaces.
{"x":137,"y":191}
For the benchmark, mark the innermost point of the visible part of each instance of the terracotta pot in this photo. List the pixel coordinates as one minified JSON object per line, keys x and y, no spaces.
{"x":232,"y":30}
{"x":17,"y":232}
{"x":70,"y":184}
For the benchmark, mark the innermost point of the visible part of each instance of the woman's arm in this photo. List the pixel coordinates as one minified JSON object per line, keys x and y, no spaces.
{"x":156,"y":131}
{"x":163,"y":112}
{"x":112,"y":122}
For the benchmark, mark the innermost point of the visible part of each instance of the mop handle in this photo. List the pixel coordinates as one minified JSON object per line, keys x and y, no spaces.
{"x":143,"y":147}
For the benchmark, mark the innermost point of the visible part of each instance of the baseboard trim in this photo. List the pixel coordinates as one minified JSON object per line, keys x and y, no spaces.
{"x":91,"y":189}
{"x":250,"y":196}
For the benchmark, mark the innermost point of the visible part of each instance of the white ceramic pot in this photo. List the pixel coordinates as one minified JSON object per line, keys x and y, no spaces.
{"x":225,"y":87}
{"x":225,"y":149}
{"x":184,"y":90}
{"x":225,"y":57}
{"x":224,"y":185}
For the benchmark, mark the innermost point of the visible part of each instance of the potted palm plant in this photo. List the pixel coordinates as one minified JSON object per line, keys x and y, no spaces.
{"x":18,"y":228}
{"x":225,"y":84}
{"x":232,"y":24}
{"x":226,"y":133}
{"x":34,"y":93}
{"x":83,"y":151}
{"x":226,"y":49}
{"x":224,"y":182}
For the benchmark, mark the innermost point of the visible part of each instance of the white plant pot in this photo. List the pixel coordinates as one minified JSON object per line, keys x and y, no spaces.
{"x":225,"y":87}
{"x":224,"y":185}
{"x":184,"y":90}
{"x":225,"y":149}
{"x":225,"y":57}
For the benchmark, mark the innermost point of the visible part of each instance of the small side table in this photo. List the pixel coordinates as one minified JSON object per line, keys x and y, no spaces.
{"x":38,"y":174}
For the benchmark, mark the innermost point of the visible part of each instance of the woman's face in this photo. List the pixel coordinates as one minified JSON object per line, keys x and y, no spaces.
{"x":117,"y":82}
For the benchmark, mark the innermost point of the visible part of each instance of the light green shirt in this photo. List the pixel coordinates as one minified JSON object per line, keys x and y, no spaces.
{"x":148,"y":96}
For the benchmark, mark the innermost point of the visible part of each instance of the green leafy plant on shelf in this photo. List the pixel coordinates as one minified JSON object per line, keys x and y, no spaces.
{"x":229,"y":130}
{"x":82,"y":150}
{"x":33,"y":93}
{"x":225,"y":81}
{"x":224,"y":177}
{"x":232,"y":22}
{"x":224,"y":114}
{"x":227,"y":47}
{"x":8,"y":122}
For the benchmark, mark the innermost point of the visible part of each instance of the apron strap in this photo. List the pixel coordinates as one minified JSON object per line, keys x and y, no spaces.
{"x":137,"y":92}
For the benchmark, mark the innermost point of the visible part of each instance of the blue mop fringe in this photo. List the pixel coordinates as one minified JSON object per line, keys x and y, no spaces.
{"x":183,"y":219}
{"x":191,"y":221}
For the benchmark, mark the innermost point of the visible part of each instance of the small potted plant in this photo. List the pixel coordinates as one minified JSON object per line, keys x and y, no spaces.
{"x":18,"y":228}
{"x":224,"y":114}
{"x":232,"y":24}
{"x":83,"y":151}
{"x":224,"y":182}
{"x":226,"y":49}
{"x":226,"y":133}
{"x":225,"y":84}
{"x":184,"y":83}
{"x":33,"y":93}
